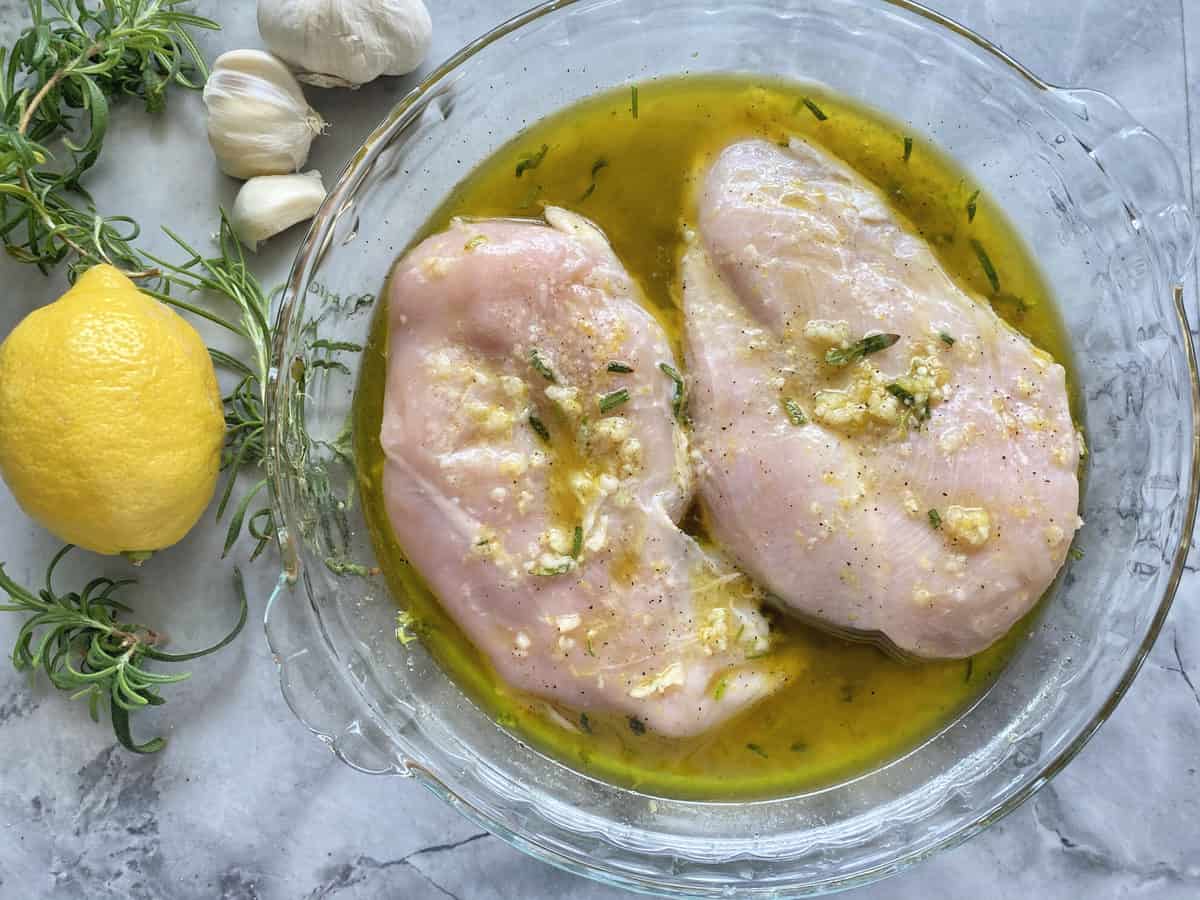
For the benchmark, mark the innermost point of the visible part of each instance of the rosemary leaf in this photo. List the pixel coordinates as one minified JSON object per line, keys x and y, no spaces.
{"x":538,"y":361}
{"x":677,"y":399}
{"x":561,"y":568}
{"x":985,"y":262}
{"x":873,"y":343}
{"x":83,"y":645}
{"x":794,"y":412}
{"x":539,"y":428}
{"x":531,"y":160}
{"x":814,"y":109}
{"x":613,"y":399}
{"x":971,"y":206}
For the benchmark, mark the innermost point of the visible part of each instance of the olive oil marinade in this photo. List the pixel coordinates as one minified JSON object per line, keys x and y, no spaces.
{"x":628,"y":160}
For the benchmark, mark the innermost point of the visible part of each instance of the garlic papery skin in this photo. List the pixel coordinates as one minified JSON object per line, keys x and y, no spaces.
{"x":269,"y":204}
{"x":258,"y":120}
{"x":345,"y":43}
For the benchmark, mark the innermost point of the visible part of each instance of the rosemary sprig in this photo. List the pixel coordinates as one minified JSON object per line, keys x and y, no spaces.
{"x":56,"y":83}
{"x":75,"y":57}
{"x":81,"y":644}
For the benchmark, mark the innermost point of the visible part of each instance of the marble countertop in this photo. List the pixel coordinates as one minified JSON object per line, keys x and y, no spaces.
{"x":245,"y":804}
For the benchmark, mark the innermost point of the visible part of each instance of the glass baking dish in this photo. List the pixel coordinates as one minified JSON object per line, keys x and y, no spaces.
{"x":1098,"y":197}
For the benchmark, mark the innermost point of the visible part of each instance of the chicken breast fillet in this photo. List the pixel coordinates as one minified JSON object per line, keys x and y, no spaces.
{"x":535,"y":472}
{"x":922,"y":489}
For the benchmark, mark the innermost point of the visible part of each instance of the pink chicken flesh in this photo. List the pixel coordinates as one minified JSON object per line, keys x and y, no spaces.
{"x":925,"y":491}
{"x":536,"y":487}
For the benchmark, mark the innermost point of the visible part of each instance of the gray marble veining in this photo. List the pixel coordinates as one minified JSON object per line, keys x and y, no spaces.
{"x":245,"y":804}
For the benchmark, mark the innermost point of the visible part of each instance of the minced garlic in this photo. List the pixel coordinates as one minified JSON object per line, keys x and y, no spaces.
{"x":828,"y":333}
{"x":969,"y":525}
{"x":658,"y":684}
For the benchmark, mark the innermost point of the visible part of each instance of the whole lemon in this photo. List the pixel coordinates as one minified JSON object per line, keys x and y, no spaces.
{"x":111,"y":423}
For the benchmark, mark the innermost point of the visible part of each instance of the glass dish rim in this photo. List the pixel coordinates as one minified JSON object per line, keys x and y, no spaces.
{"x":317,"y":241}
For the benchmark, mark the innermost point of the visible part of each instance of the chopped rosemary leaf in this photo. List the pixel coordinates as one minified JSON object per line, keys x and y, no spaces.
{"x":577,"y":542}
{"x":531,"y":160}
{"x":918,"y":405}
{"x":1076,"y":553}
{"x":946,"y":339}
{"x":970,"y":669}
{"x":540,"y":365}
{"x":636,"y":725}
{"x":794,"y":413}
{"x":616,"y":366}
{"x":585,"y":723}
{"x":539,"y":428}
{"x":754,"y":748}
{"x":935,"y":518}
{"x":907,"y":147}
{"x":988,"y":269}
{"x":838,"y":356}
{"x":587,"y":644}
{"x":474,"y":242}
{"x":719,"y":690}
{"x":633,"y":101}
{"x":678,"y":397}
{"x":561,"y":568}
{"x":613,"y":399}
{"x":901,"y":394}
{"x":596,"y":167}
{"x":814,"y":109}
{"x":971,"y":207}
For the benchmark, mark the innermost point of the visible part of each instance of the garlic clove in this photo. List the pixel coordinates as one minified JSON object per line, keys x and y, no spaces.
{"x":345,"y":43}
{"x":258,"y":120}
{"x":269,"y":204}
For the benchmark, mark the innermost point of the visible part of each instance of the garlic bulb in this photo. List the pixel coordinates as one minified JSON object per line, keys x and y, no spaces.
{"x":258,"y":120}
{"x":269,"y":204}
{"x":344,"y":43}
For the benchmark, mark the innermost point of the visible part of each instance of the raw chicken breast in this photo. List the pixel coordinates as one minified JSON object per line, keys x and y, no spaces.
{"x":535,"y":473}
{"x":924,"y":490}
